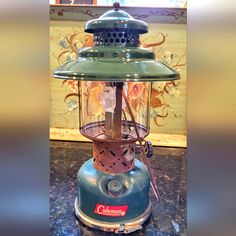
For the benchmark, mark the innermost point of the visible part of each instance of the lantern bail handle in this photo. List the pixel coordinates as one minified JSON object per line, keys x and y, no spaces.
{"x":143,"y":156}
{"x":116,"y":6}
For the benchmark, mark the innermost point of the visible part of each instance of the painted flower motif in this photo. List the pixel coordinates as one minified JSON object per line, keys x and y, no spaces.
{"x":73,"y":56}
{"x":78,"y":44}
{"x":72,"y":104}
{"x":71,"y":84}
{"x":94,"y":91}
{"x":63,"y":43}
{"x":168,"y":57}
{"x":136,"y":93}
{"x":155,"y":101}
{"x":136,"y":89}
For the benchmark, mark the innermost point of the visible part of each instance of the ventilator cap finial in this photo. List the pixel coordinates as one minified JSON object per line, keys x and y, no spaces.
{"x":116,"y":6}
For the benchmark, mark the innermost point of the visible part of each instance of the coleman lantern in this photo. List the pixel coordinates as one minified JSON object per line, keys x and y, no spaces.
{"x":113,"y":186}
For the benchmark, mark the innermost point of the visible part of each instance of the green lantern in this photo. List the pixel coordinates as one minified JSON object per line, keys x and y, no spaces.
{"x":113,"y":186}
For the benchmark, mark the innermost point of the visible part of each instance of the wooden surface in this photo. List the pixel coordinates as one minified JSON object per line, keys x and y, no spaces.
{"x":165,"y":140}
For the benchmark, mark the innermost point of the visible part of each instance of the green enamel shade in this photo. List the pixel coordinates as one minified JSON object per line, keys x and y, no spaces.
{"x":116,"y":64}
{"x":116,"y":55}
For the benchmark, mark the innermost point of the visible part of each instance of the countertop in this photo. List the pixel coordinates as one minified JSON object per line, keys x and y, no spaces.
{"x":168,"y":217}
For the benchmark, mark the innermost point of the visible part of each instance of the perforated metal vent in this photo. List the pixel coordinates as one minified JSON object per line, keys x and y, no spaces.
{"x":116,"y":38}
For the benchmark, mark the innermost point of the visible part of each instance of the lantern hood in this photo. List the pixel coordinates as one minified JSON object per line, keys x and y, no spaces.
{"x":115,"y":55}
{"x":116,"y":19}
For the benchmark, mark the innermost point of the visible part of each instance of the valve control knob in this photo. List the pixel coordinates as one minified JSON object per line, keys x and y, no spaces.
{"x":114,"y":187}
{"x":148,"y":149}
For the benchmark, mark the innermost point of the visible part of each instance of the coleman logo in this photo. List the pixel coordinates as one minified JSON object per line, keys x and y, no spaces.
{"x":105,"y":210}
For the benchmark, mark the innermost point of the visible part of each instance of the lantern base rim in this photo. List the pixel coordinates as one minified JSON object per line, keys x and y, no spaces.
{"x":119,"y":227}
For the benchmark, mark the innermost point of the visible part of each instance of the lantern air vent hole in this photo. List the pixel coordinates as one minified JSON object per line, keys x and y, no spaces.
{"x":124,"y":163}
{"x":125,"y":151}
{"x":101,"y":163}
{"x":112,"y":153}
{"x":118,"y":38}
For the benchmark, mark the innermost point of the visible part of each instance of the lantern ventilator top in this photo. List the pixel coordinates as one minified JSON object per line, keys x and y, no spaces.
{"x":115,"y":55}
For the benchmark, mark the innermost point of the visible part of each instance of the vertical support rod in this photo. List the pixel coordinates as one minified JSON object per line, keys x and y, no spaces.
{"x":109,"y":116}
{"x":143,"y":156}
{"x":118,"y":111}
{"x":109,"y":125}
{"x":80,"y":103}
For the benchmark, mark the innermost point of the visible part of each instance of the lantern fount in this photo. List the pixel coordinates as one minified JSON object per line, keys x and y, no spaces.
{"x":115,"y":78}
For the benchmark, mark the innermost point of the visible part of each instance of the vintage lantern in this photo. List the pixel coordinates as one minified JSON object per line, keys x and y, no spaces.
{"x":114,"y":81}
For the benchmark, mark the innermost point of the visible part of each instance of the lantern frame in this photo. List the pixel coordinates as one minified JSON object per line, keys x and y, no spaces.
{"x":115,"y":58}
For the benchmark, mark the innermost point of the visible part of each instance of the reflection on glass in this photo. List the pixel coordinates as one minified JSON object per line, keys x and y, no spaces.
{"x":104,"y":114}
